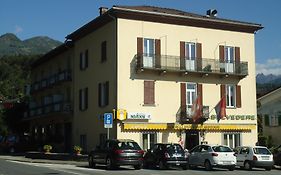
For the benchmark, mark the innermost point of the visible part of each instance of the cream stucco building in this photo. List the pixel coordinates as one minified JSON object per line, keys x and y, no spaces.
{"x":152,"y":64}
{"x":270,"y":111}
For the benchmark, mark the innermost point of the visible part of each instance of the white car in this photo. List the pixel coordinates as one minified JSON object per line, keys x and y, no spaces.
{"x":211,"y":156}
{"x":257,"y":156}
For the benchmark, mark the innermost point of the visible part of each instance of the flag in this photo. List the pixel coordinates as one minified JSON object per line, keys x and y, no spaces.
{"x":196,"y":110}
{"x":220,"y":109}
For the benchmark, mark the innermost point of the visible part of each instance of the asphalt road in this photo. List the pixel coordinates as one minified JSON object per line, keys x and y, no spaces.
{"x":8,"y":167}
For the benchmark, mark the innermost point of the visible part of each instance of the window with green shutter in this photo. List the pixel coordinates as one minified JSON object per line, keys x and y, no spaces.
{"x":266,"y":120}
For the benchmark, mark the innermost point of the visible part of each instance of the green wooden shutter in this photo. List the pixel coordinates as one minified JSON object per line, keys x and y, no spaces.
{"x":279,"y":120}
{"x":266,"y":120}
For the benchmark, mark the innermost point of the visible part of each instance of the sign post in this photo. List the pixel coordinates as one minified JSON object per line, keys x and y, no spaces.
{"x":107,"y":121}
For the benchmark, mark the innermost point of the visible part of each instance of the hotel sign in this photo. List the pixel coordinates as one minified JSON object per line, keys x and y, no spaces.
{"x":138,"y":115}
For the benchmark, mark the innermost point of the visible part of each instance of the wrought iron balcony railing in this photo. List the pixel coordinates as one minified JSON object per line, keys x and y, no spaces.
{"x":196,"y":65}
{"x":184,"y":115}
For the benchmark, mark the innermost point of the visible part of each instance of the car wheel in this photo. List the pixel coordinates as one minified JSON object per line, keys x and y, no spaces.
{"x":268,"y":168}
{"x":247,"y":165}
{"x":208,"y":165}
{"x":162,"y":165}
{"x":138,"y":167}
{"x":109,"y":164}
{"x":231,"y":168}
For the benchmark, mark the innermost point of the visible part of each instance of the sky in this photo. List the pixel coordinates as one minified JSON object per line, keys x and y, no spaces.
{"x":58,"y":18}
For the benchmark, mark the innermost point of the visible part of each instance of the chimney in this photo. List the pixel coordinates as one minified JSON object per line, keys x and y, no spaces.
{"x":103,"y":10}
{"x":212,"y":13}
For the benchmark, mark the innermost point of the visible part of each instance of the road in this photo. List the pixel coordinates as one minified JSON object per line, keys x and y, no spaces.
{"x":8,"y":167}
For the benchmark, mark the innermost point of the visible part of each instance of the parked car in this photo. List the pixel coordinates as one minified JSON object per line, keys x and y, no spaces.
{"x":15,"y":143}
{"x":114,"y":153}
{"x":256,"y":156}
{"x":211,"y":156}
{"x":165,"y":155}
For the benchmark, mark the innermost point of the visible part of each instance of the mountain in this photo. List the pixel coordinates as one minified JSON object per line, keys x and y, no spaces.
{"x":10,"y":45}
{"x":267,"y":83}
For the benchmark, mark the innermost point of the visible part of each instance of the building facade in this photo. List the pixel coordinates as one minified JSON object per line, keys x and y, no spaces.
{"x":152,"y":65}
{"x":269,"y":108}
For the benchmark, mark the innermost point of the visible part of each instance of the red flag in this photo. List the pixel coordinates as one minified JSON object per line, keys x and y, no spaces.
{"x":196,"y":110}
{"x":220,"y":109}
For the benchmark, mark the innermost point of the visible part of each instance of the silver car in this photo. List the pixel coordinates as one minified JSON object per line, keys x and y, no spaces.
{"x":211,"y":156}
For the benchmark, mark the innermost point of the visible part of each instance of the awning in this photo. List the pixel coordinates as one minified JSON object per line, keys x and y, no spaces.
{"x":215,"y":127}
{"x":145,"y":126}
{"x":205,"y":127}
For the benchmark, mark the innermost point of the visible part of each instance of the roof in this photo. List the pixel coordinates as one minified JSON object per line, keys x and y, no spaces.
{"x":269,"y":93}
{"x":51,"y":54}
{"x":163,"y":15}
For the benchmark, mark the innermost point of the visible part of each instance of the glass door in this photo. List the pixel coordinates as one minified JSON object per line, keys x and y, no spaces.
{"x":190,"y":56}
{"x":229,"y":59}
{"x":149,"y":52}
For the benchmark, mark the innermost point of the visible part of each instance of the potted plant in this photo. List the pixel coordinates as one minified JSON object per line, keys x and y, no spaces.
{"x":77,"y":149}
{"x":47,"y":148}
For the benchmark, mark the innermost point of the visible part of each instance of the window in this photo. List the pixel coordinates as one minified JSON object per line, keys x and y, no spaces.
{"x":103,"y":94}
{"x":84,"y":60}
{"x":191,"y":93}
{"x":83,"y":142}
{"x":232,"y":140}
{"x":148,"y":140}
{"x":103,"y":51}
{"x":190,"y":55}
{"x":273,"y":120}
{"x":83,"y":99}
{"x":230,"y":95}
{"x":148,"y":52}
{"x":149,"y":92}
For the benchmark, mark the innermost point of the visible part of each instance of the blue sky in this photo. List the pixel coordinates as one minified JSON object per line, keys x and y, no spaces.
{"x":57,"y":18}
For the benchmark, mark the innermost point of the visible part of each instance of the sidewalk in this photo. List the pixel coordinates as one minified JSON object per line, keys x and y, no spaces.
{"x":30,"y":160}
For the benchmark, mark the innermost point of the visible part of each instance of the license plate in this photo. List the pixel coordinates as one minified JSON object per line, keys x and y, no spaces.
{"x":265,"y":157}
{"x":226,"y":162}
{"x":177,"y":164}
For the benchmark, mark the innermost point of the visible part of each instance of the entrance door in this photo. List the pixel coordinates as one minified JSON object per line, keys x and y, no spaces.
{"x":68,"y":137}
{"x":191,"y":139}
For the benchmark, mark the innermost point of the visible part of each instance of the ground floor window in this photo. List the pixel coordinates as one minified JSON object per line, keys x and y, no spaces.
{"x":148,"y":140}
{"x":232,"y":139}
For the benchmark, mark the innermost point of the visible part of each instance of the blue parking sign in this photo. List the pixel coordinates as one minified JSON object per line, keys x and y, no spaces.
{"x":107,"y":120}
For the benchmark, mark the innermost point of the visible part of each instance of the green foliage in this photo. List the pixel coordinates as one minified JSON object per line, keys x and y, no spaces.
{"x":14,"y":75}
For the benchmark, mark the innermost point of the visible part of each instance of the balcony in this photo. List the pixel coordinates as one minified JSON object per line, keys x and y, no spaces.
{"x":184,"y":115}
{"x":51,"y":81}
{"x":57,"y":107}
{"x":199,"y":66}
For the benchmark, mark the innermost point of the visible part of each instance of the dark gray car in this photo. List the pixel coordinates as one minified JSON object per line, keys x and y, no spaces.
{"x":114,"y":153}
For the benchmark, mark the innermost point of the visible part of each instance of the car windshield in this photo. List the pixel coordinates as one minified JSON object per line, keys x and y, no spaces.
{"x":174,"y":148}
{"x":221,"y":149}
{"x":262,"y":151}
{"x":128,"y":145}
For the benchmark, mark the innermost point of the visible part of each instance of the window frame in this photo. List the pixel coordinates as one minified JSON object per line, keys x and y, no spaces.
{"x":236,"y":137}
{"x":187,"y":91}
{"x":228,"y":95}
